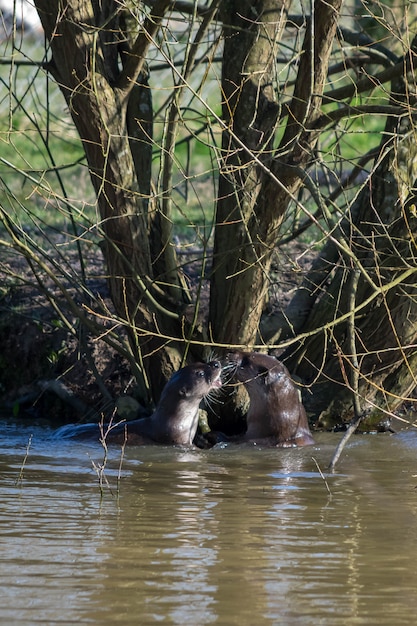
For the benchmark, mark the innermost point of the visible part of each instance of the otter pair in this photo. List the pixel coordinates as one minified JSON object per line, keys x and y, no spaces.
{"x":276,"y":415}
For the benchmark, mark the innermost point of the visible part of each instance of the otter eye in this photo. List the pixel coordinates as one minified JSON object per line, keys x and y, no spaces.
{"x":200,"y":374}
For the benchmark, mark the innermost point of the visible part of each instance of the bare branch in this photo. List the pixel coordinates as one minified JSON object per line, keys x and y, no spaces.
{"x":136,"y":57}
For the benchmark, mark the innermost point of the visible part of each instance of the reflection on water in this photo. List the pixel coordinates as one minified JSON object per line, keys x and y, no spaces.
{"x":225,"y":536}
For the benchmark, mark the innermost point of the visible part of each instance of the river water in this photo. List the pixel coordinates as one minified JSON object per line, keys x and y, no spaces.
{"x":234,"y":535}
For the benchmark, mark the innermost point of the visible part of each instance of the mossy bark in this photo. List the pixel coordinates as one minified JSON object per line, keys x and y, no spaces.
{"x":378,"y":240}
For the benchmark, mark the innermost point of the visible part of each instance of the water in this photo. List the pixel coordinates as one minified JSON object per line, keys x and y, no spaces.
{"x":227,"y":536}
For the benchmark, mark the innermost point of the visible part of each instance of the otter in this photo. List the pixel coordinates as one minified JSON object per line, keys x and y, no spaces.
{"x":175,"y":419}
{"x":276,"y":415}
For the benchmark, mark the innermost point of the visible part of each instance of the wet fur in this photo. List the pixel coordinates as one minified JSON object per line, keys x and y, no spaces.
{"x":175,"y":419}
{"x":276,"y":415}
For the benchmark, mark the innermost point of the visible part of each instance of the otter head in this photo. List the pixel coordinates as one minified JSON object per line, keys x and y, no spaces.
{"x":175,"y":418}
{"x":194,"y":381}
{"x":256,"y":370}
{"x":188,"y":386}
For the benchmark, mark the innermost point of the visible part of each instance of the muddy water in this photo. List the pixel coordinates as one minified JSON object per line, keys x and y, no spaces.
{"x":225,"y":536}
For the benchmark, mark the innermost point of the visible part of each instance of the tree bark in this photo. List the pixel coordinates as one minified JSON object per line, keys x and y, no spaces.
{"x":378,"y":240}
{"x":85,"y":41}
{"x":256,"y":184}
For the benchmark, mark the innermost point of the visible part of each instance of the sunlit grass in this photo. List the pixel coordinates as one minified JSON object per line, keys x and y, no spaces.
{"x":42,"y":165}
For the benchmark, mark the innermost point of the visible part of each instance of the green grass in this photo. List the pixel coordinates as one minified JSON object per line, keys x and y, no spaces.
{"x":40,"y":152}
{"x":42,"y":160}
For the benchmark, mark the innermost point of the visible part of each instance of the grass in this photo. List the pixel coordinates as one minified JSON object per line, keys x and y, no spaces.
{"x":39,"y":143}
{"x":41,"y":154}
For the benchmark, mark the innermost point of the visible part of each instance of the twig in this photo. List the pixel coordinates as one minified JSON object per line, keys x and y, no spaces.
{"x":122,"y":456}
{"x":323,"y":476}
{"x":354,"y":372}
{"x":351,"y":429}
{"x":20,"y":477}
{"x":354,"y":382}
{"x":100,"y":467}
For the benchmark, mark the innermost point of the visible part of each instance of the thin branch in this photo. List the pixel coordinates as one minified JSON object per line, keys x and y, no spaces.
{"x":25,"y":458}
{"x":136,"y":58}
{"x":367,"y":82}
{"x":350,"y":431}
{"x":354,"y":370}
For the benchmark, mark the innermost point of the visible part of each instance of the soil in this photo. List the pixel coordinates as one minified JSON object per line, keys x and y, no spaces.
{"x":46,"y":369}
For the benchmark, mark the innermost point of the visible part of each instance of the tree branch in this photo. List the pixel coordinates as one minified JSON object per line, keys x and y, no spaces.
{"x":306,"y":101}
{"x":365,"y":83}
{"x":136,"y":57}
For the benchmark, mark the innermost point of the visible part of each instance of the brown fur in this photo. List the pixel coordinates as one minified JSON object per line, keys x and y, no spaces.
{"x":175,"y":418}
{"x":276,"y":414}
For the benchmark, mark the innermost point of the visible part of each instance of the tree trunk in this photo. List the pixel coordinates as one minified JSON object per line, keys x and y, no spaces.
{"x":358,"y":320}
{"x":85,"y":42}
{"x":256,"y":185}
{"x":377,"y":241}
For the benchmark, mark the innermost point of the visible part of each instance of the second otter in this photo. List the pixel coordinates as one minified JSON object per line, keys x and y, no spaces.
{"x":276,"y":414}
{"x":175,"y":418}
